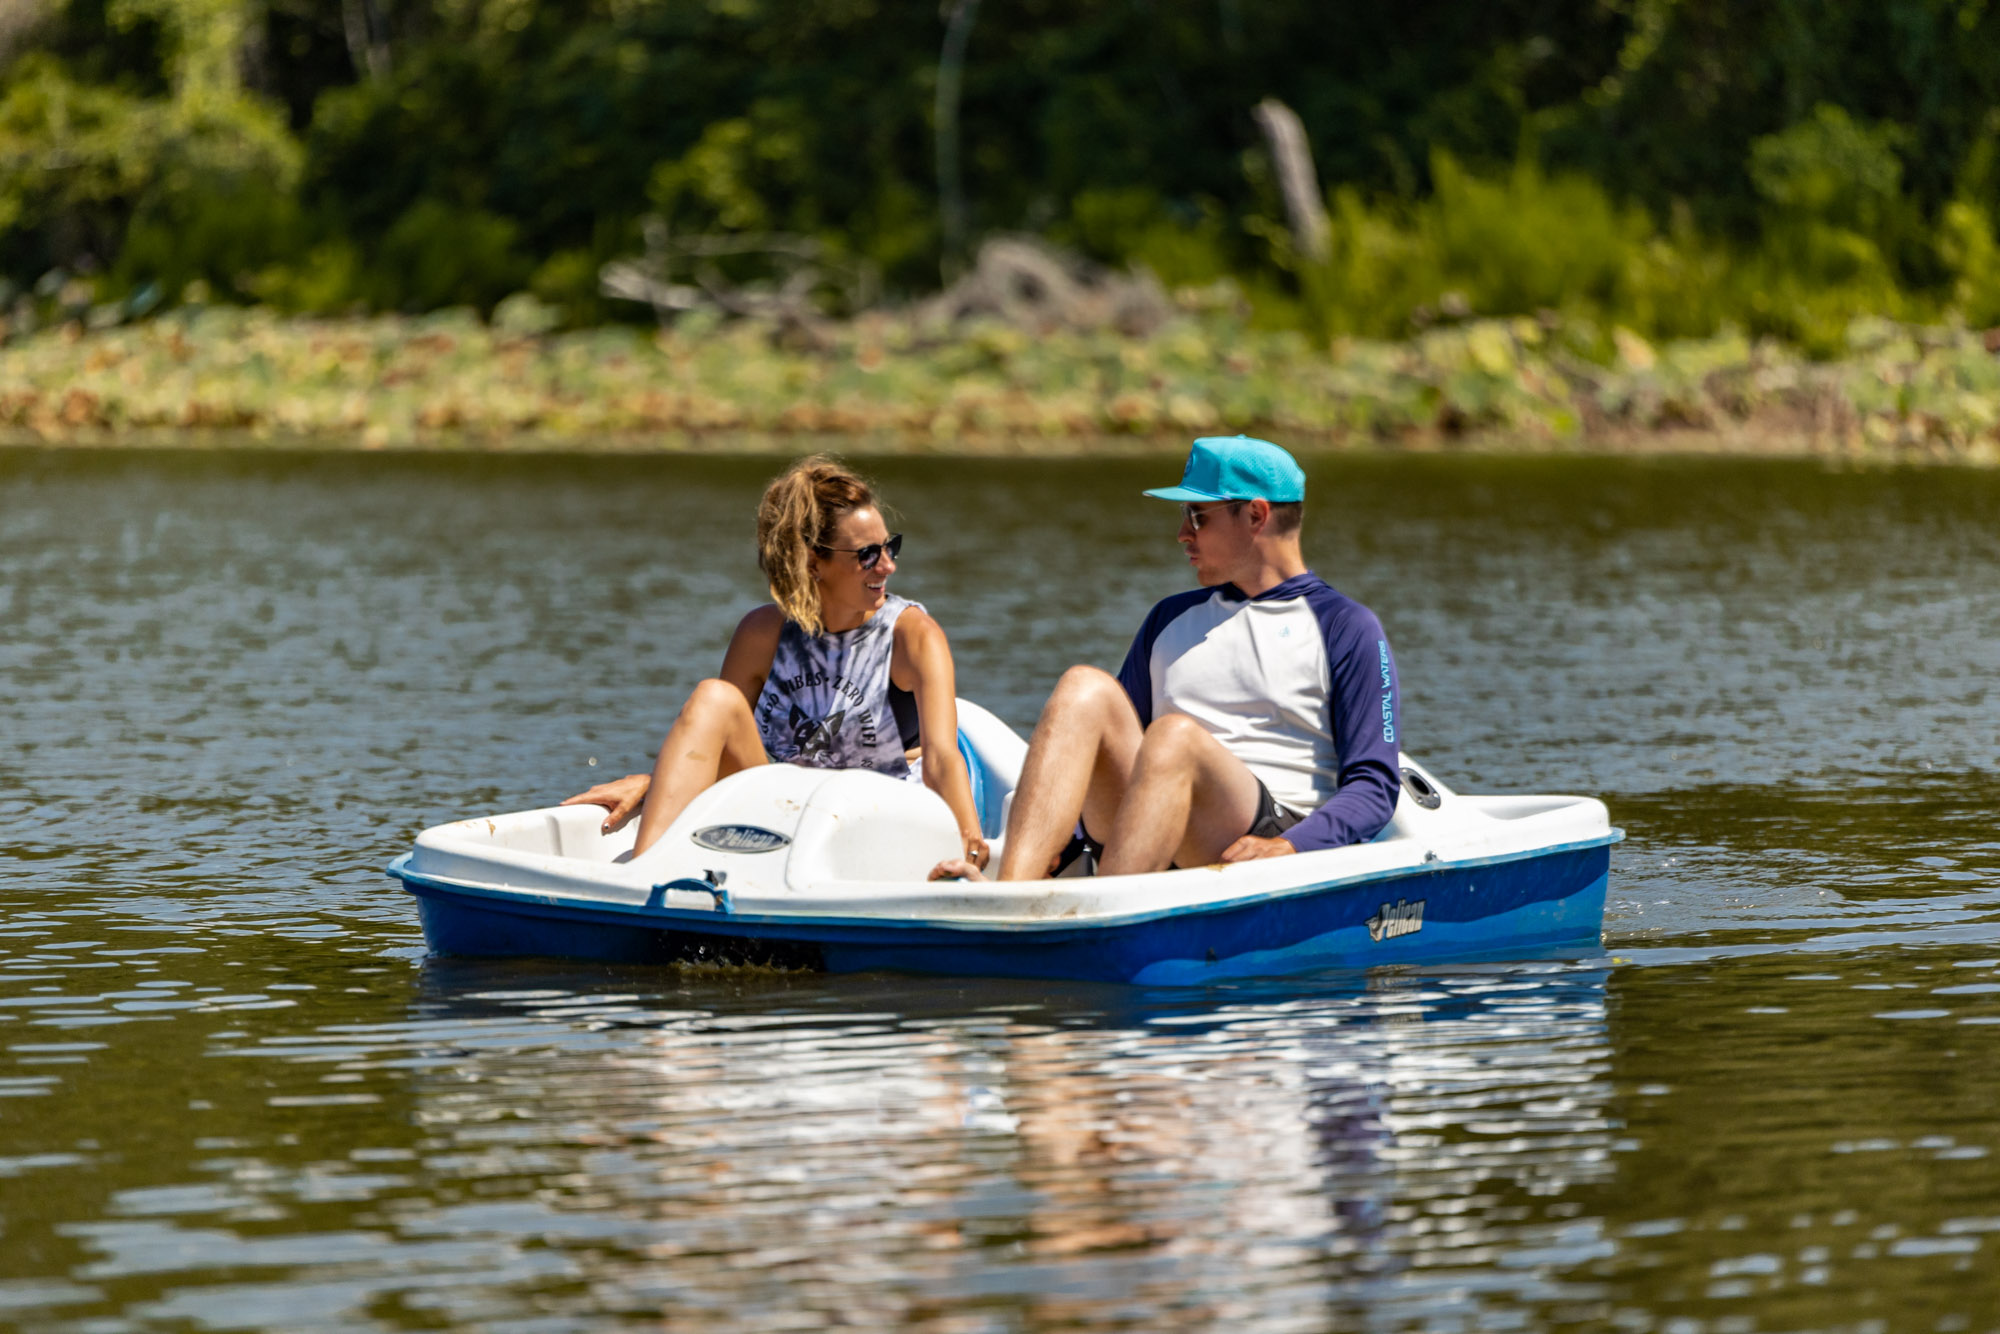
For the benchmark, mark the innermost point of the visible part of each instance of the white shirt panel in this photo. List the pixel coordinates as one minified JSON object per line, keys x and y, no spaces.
{"x":1255,"y":676}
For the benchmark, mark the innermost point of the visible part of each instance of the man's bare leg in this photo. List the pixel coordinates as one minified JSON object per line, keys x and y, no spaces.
{"x":1187,"y":801}
{"x":1079,"y":760}
{"x":715,"y":736}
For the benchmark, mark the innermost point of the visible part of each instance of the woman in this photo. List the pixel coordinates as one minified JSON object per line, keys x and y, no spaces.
{"x":835,"y":672}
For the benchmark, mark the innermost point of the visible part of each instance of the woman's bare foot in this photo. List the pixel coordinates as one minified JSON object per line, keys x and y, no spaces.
{"x":956,"y":868}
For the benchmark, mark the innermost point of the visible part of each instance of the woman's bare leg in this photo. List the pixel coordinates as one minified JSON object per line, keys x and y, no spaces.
{"x":715,"y":736}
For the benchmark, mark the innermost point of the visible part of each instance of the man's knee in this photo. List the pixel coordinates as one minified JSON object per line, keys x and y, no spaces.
{"x":1085,"y":682}
{"x":1086,"y":689}
{"x":1174,"y":740}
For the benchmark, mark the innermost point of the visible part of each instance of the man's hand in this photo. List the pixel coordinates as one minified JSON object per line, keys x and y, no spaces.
{"x":1249,"y":848}
{"x":956,"y":868}
{"x":621,"y":796}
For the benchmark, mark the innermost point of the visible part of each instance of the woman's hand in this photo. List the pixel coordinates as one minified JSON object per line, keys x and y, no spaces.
{"x":621,"y":796}
{"x":968,"y":867}
{"x":922,"y":665}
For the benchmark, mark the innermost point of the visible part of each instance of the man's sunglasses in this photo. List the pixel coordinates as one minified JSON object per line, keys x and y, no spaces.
{"x":1195,"y":516}
{"x":871,"y":555}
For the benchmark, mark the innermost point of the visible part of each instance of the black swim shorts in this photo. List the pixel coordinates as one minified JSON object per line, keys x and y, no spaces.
{"x":1272,"y":819}
{"x":1081,"y":854}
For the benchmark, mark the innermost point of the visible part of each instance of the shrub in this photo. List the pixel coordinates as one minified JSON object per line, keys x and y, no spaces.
{"x":567,"y":283}
{"x":1184,"y":246}
{"x":327,"y":279}
{"x":1512,"y":244}
{"x":229,"y":239}
{"x":440,"y":254}
{"x":1833,"y":214}
{"x":81,"y":165}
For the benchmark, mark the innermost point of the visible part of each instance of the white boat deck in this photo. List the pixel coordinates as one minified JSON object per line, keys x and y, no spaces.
{"x":856,"y":845}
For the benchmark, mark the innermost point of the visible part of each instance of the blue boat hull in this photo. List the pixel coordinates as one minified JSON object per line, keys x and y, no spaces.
{"x":1515,"y":907}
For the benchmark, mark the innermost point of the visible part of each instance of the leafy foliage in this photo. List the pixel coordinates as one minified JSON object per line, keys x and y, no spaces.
{"x":1672,"y":167}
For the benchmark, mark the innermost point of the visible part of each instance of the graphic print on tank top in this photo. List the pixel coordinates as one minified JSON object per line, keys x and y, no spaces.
{"x":826,"y":702}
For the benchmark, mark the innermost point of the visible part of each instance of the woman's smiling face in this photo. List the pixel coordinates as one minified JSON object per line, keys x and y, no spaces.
{"x":848,"y":593}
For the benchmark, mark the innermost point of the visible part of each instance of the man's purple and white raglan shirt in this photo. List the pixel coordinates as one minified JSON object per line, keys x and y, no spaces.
{"x":1297,"y":682}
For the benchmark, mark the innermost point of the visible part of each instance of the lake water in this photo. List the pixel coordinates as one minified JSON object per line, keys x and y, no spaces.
{"x":235,"y":1094}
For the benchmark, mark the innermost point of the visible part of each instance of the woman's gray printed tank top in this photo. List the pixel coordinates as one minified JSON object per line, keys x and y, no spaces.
{"x":826,"y":702}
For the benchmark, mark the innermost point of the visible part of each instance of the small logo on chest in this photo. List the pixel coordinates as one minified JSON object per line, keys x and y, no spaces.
{"x":815,"y":736}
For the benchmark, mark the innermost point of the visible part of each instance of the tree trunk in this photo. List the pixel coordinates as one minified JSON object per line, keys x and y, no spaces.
{"x":1299,"y":183}
{"x":951,"y":185}
{"x":367,"y":36}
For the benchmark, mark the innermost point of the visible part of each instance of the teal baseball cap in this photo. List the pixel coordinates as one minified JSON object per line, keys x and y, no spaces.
{"x":1237,"y":467}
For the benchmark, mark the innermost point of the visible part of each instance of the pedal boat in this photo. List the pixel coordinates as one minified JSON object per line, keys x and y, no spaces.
{"x":826,"y":869}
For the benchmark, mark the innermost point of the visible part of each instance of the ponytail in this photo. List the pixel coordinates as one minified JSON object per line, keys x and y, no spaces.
{"x":796,"y":517}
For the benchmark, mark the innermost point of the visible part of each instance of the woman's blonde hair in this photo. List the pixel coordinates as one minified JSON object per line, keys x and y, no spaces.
{"x":797,"y":516}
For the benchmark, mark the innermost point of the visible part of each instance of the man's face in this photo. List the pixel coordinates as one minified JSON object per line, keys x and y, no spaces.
{"x":1217,"y":536}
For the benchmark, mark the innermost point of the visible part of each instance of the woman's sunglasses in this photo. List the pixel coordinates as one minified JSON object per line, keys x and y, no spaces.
{"x":871,"y":555}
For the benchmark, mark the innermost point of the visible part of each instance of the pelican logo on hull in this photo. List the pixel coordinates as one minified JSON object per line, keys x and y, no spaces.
{"x":1402,"y":918}
{"x":739,"y":838}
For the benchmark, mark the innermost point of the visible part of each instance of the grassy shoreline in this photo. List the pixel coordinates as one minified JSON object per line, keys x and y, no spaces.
{"x":234,"y":377}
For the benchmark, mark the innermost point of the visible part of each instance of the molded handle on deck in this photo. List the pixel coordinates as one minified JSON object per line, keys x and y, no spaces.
{"x":711,"y":887}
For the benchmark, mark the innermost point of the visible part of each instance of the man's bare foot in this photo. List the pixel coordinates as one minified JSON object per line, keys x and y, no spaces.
{"x":956,"y":868}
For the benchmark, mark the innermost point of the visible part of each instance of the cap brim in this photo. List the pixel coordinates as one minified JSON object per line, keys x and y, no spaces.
{"x":1183,"y":493}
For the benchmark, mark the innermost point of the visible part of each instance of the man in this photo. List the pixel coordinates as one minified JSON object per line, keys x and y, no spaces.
{"x":1254,"y":716}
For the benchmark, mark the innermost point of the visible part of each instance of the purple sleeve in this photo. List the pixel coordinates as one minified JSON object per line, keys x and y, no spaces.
{"x":1364,"y":700}
{"x":1136,"y":673}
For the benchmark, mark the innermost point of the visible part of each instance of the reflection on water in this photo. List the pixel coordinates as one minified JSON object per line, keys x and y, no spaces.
{"x":233,"y":1093}
{"x":809,"y":1153}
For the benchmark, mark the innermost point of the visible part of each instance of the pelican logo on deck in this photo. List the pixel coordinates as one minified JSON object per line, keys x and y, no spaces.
{"x":739,"y":838}
{"x":1403,"y":918}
